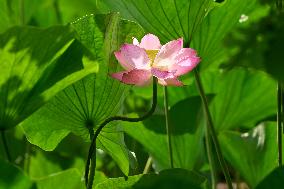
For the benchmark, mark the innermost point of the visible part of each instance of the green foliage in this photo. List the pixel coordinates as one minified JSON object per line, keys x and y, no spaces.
{"x":261,"y":46}
{"x":186,"y":139}
{"x":216,"y":25}
{"x":71,"y":177}
{"x":55,"y":84}
{"x":234,"y":95}
{"x":15,"y":12}
{"x":12,"y":177}
{"x":253,"y":154}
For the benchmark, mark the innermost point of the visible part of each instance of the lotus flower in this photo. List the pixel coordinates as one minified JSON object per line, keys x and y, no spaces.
{"x":149,"y":58}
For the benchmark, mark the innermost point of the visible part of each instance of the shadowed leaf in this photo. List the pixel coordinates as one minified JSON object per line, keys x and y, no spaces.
{"x":29,"y":58}
{"x":186,"y":138}
{"x":166,"y":179}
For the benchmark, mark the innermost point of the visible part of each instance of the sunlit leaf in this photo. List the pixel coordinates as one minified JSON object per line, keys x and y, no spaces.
{"x":168,"y":19}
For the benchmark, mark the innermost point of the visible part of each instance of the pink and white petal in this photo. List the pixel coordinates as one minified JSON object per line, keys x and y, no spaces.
{"x":170,"y":82}
{"x":167,"y":53}
{"x":181,"y":70}
{"x":185,"y":61}
{"x":186,"y":52}
{"x":118,"y":75}
{"x":189,"y":61}
{"x":171,"y":48}
{"x":185,"y":66}
{"x":135,"y":56}
{"x":160,"y":74}
{"x":137,"y":77}
{"x":150,"y":42}
{"x":119,"y":56}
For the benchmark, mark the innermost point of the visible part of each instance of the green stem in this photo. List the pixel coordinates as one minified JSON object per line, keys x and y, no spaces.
{"x":212,"y":132}
{"x":5,"y":144}
{"x":92,"y":170}
{"x":91,"y":155}
{"x":208,"y":142}
{"x":168,"y":127}
{"x":148,"y":165}
{"x":279,"y":123}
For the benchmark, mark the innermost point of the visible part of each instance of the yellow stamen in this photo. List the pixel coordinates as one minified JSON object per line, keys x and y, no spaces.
{"x":152,"y":55}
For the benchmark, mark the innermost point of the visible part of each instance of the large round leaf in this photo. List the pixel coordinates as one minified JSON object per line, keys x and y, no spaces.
{"x":83,"y":106}
{"x":169,"y":19}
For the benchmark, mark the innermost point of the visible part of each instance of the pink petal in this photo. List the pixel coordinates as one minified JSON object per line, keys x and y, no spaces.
{"x":170,"y":82}
{"x":150,"y":42}
{"x":122,"y":60}
{"x":168,"y":52}
{"x":181,"y":70}
{"x":134,"y":57}
{"x":118,"y":75}
{"x":137,"y":77}
{"x":160,"y":74}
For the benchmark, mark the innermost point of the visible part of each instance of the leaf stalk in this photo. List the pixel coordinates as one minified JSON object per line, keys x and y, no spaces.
{"x":212,"y":131}
{"x":89,"y":178}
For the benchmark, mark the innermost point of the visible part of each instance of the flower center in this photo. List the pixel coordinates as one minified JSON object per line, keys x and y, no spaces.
{"x":152,"y":55}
